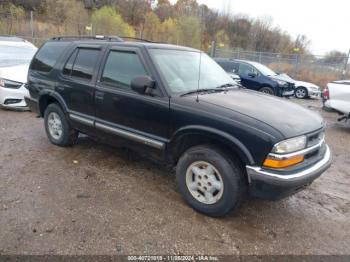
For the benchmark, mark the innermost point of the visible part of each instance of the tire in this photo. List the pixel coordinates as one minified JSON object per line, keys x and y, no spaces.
{"x":301,"y":93}
{"x":267,"y":90}
{"x":57,"y":128}
{"x":226,"y":170}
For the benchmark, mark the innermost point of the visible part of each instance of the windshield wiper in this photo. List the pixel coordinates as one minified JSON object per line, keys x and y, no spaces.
{"x":204,"y":90}
{"x":226,"y":85}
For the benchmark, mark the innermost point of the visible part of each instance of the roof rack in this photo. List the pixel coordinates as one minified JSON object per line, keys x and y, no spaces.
{"x":96,"y":37}
{"x":137,"y":39}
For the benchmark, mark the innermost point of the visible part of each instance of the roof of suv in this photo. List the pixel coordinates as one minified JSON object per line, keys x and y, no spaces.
{"x":121,"y":41}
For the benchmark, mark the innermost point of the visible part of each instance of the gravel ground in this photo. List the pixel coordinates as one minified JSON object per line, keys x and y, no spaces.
{"x":94,"y":199}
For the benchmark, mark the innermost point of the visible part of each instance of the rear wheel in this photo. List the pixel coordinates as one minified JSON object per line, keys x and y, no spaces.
{"x":301,"y":92}
{"x":57,"y":128}
{"x":210,"y":181}
{"x":267,"y":90}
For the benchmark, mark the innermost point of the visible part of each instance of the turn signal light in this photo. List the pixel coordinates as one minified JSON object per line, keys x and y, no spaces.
{"x":278,"y":163}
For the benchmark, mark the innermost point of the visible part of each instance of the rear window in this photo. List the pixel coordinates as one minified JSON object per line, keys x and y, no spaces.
{"x":47,"y":56}
{"x":81,"y":63}
{"x":16,"y":54}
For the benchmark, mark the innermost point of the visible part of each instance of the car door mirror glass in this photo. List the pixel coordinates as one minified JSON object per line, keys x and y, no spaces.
{"x":142,"y":84}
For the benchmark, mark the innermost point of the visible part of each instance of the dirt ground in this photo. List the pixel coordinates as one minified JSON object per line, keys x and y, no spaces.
{"x":94,"y":199}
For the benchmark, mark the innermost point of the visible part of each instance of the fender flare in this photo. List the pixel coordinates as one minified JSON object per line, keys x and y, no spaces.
{"x":56,"y":96}
{"x":234,"y":143}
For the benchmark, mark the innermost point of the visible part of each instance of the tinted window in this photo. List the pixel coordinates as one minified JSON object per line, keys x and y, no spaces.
{"x":121,"y":68}
{"x":84,"y":63}
{"x":48,"y":55}
{"x":245,"y":69}
{"x":67,"y":70}
{"x":229,"y":66}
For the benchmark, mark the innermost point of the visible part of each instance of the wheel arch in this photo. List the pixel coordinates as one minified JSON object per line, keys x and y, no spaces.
{"x":48,"y":97}
{"x":190,"y":136}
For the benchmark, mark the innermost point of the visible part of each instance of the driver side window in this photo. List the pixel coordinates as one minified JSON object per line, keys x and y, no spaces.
{"x":245,"y":69}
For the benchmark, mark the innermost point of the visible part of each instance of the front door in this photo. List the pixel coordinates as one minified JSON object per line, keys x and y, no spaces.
{"x":120,"y":111}
{"x":249,"y":76}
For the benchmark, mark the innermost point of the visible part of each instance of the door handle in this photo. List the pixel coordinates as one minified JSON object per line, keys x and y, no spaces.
{"x":99,"y":95}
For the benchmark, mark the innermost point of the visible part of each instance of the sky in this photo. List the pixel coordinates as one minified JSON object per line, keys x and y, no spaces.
{"x":325,"y":23}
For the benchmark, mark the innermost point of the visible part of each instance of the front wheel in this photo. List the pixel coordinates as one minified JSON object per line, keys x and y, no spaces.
{"x":210,"y":181}
{"x":267,"y":90}
{"x":300,"y":92}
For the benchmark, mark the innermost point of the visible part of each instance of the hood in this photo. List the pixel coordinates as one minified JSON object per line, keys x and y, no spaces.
{"x":288,"y":118}
{"x":283,"y":78}
{"x":16,"y":73}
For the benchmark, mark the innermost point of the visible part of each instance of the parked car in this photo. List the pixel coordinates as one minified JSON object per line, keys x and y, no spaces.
{"x":225,"y":141}
{"x":235,"y":77}
{"x":337,"y":97}
{"x":258,"y":77}
{"x":15,"y":57}
{"x":304,"y":89}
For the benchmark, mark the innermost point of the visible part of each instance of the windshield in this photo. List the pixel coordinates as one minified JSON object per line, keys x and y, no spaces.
{"x":264,"y":70}
{"x":180,"y":70}
{"x":16,"y":55}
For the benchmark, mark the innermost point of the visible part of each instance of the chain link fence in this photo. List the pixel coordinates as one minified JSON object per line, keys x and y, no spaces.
{"x":312,"y":68}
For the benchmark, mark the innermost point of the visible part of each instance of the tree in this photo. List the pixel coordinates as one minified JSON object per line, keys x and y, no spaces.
{"x":170,"y":31}
{"x":335,"y":57}
{"x":186,"y":7}
{"x":164,"y":10}
{"x":11,"y":18}
{"x":133,"y":11}
{"x":151,"y":26}
{"x":190,"y":31}
{"x":107,"y":21}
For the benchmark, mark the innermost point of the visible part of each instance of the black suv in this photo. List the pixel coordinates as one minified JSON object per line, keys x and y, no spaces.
{"x":177,"y":105}
{"x":258,"y":77}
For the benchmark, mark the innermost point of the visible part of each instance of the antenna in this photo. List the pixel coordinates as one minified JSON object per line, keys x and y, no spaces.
{"x":200,"y":52}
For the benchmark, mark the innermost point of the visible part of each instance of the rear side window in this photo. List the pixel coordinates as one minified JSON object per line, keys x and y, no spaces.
{"x":81,"y":63}
{"x":121,"y":68}
{"x":47,"y":56}
{"x":229,"y":66}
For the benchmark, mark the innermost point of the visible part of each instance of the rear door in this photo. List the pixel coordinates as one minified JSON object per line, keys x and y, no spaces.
{"x":77,"y":80}
{"x":120,"y":111}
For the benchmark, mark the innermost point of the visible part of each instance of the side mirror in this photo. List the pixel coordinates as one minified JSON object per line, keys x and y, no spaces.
{"x":142,"y":84}
{"x":252,"y":75}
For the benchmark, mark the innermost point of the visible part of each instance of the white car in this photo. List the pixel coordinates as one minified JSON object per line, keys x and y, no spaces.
{"x":304,"y":89}
{"x":15,"y":57}
{"x":337,"y":97}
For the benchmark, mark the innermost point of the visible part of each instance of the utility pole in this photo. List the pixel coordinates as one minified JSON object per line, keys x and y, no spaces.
{"x":345,"y":66}
{"x":32,"y":25}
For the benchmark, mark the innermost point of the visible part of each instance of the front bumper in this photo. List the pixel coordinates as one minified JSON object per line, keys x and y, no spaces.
{"x":314,"y":93}
{"x":288,"y":93}
{"x":13,"y":98}
{"x":272,"y":185}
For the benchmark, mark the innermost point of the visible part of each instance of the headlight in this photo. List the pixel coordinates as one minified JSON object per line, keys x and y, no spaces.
{"x":281,"y":83}
{"x":290,"y":145}
{"x":9,"y":84}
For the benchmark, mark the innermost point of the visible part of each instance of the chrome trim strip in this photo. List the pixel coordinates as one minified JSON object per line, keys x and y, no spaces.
{"x":258,"y":172}
{"x":81,"y":120}
{"x":131,"y":136}
{"x":297,"y":153}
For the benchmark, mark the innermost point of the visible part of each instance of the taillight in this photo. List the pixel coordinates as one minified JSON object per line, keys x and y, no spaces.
{"x":326,"y":93}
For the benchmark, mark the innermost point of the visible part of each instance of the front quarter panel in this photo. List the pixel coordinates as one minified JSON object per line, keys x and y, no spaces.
{"x":256,"y":137}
